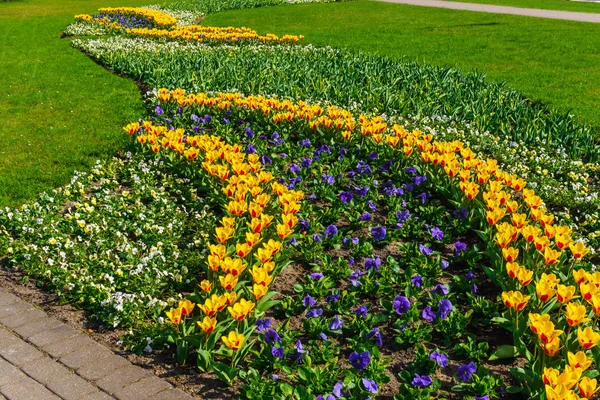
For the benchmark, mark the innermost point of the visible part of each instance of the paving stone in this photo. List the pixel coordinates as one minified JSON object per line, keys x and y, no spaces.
{"x":32,"y":328}
{"x":26,"y":389}
{"x":63,"y":347}
{"x":121,"y":378}
{"x":7,"y":298}
{"x":9,"y":373}
{"x":7,"y":338}
{"x":172,"y":394}
{"x":22,"y":318}
{"x":86,"y":355}
{"x":143,"y":389}
{"x":72,"y":387}
{"x":108,"y":366}
{"x":53,"y":335}
{"x":14,"y":308}
{"x":20,"y":353}
{"x":98,"y":396}
{"x":46,"y":370}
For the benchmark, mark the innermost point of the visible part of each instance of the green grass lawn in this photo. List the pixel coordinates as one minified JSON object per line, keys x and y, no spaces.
{"x":59,"y":110}
{"x":553,"y":61}
{"x":564,"y":5}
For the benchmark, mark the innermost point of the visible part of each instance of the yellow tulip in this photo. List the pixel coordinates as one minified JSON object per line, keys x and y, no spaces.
{"x":208,"y":324}
{"x":234,"y":340}
{"x":587,"y":337}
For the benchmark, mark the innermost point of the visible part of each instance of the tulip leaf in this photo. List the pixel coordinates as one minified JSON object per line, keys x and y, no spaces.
{"x":504,"y":352}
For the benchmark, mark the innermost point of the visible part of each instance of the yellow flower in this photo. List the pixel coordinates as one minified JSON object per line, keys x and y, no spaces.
{"x":208,"y":324}
{"x":551,"y":256}
{"x":550,"y":376}
{"x":512,"y":269}
{"x":579,"y":360}
{"x":552,"y":348}
{"x":564,"y":294}
{"x":560,"y":392}
{"x":580,"y":276}
{"x":231,"y":297}
{"x":587,"y":338}
{"x":234,"y":340}
{"x":273,"y":246}
{"x":260,"y":276}
{"x":576,"y":314}
{"x":174,"y":315}
{"x":241,"y":309}
{"x":284,"y":231}
{"x":494,"y":216}
{"x":515,"y":300}
{"x":205,"y":286}
{"x":242,"y":249}
{"x":546,"y":332}
{"x":595,"y":302}
{"x":588,"y":387}
{"x":228,"y":282}
{"x":536,"y":320}
{"x":510,"y":254}
{"x":259,"y":291}
{"x":587,"y":290}
{"x":252,"y":239}
{"x":524,"y":276}
{"x":212,"y":305}
{"x":186,"y":307}
{"x":223,"y":233}
{"x":233,"y":266}
{"x":544,"y":290}
{"x":578,"y":250}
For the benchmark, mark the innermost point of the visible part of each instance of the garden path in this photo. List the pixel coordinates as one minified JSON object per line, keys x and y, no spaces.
{"x":41,"y":359}
{"x":488,"y":8}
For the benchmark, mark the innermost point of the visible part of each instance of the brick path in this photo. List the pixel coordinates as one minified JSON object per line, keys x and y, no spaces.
{"x":41,"y":359}
{"x":488,"y":8}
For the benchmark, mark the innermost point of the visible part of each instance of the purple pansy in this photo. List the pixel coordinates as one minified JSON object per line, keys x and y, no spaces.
{"x":421,"y":381}
{"x":362,"y":310}
{"x":459,"y":247}
{"x":346,"y":197}
{"x":437,"y":233}
{"x":466,"y":370}
{"x":308,"y":301}
{"x":370,"y":386}
{"x":314,"y":313}
{"x":277,"y":352}
{"x":263,"y":324}
{"x":427,"y":314}
{"x":425,"y":250}
{"x":379,"y":232}
{"x":360,"y":360}
{"x":417,"y":281}
{"x":330,"y":231}
{"x":445,"y":308}
{"x":401,"y":305}
{"x":440,"y":358}
{"x":336,"y":323}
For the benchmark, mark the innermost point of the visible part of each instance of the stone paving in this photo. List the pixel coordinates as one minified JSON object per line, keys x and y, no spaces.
{"x":41,"y":358}
{"x":488,"y":8}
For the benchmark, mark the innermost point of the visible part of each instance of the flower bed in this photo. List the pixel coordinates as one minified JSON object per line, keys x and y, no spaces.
{"x":359,"y":251}
{"x":480,"y":194}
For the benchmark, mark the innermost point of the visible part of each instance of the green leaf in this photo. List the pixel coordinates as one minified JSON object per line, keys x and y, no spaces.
{"x":286,"y":389}
{"x":504,"y":352}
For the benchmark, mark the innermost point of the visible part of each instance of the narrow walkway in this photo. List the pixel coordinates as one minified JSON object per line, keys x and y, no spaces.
{"x":42,"y":359}
{"x":488,"y":8}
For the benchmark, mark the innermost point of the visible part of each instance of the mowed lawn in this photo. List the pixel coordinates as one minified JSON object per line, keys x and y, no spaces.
{"x":59,"y":111}
{"x":563,"y":5}
{"x":556,"y":62}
